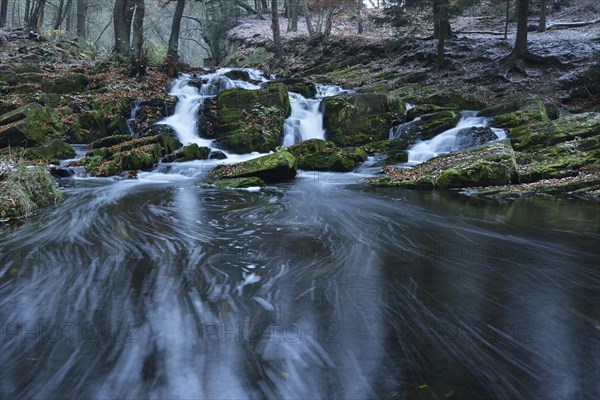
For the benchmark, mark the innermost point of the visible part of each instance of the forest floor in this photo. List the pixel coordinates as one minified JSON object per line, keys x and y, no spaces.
{"x":473,"y":58}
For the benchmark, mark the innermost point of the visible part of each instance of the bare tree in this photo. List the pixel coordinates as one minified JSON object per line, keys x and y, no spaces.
{"x":3,"y":12}
{"x":172,"y":50}
{"x":276,"y":30}
{"x":81,"y":18}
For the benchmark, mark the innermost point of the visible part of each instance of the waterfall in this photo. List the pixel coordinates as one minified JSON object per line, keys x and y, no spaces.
{"x":306,"y":118}
{"x":192,"y":90}
{"x":449,"y":140}
{"x":131,"y":119}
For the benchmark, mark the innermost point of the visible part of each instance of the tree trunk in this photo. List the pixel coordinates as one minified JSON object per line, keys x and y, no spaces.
{"x":137,"y":39}
{"x":542,"y":25}
{"x":27,"y":8}
{"x":294,"y":24}
{"x":259,"y":9}
{"x":36,"y":9}
{"x":276,"y":31}
{"x":69,"y":18}
{"x":3,"y":12}
{"x":81,"y":18}
{"x":441,"y":29}
{"x":506,"y":22}
{"x":59,"y":15}
{"x":520,"y":50}
{"x":122,"y":26}
{"x":328,"y":23}
{"x":172,"y":51}
{"x":309,"y":25}
{"x":359,"y":17}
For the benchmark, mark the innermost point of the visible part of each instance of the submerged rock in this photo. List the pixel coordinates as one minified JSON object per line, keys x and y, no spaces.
{"x":319,"y":155}
{"x":474,"y":136}
{"x":276,"y":167}
{"x":235,"y":183}
{"x":356,"y":119}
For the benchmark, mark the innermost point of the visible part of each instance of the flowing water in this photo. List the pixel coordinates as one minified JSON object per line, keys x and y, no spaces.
{"x":321,"y":288}
{"x":306,"y":119}
{"x":448,"y":141}
{"x":160,"y":288}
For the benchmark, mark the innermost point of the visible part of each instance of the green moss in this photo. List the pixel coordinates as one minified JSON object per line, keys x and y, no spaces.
{"x":109,"y":141}
{"x":248,"y":120}
{"x":436,"y":123}
{"x":356,"y":119}
{"x":26,"y":189}
{"x":535,"y":136}
{"x":276,"y":167}
{"x":235,"y":183}
{"x":423,"y":109}
{"x":52,"y":151}
{"x":73,"y":83}
{"x":319,"y":155}
{"x":193,"y":152}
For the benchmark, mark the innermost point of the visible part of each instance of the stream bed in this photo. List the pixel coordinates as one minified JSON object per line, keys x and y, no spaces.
{"x":321,"y":288}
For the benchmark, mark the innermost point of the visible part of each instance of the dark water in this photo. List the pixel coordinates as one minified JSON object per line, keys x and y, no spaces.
{"x":163,"y":290}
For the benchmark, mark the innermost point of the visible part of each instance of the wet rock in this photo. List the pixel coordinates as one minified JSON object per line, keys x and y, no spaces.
{"x":424,"y":109}
{"x":319,"y":155}
{"x":493,"y":164}
{"x":356,"y":119}
{"x":517,"y":111}
{"x":217,"y":155}
{"x":474,"y":136}
{"x":235,"y":183}
{"x":436,"y":123}
{"x":244,"y":121}
{"x":276,"y":167}
{"x":238,"y":75}
{"x":394,"y":150}
{"x":158,"y":129}
{"x":192,"y":152}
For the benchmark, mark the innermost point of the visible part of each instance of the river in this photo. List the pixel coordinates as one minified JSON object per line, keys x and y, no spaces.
{"x":323,"y":288}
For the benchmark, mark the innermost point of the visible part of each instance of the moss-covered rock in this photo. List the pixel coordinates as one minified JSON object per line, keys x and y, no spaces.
{"x":524,"y":103}
{"x":356,"y":119}
{"x":142,"y":153}
{"x":109,"y":141}
{"x":424,"y":109}
{"x":25,"y":189}
{"x":319,"y":155}
{"x":66,"y":84}
{"x":235,"y":183}
{"x":458,"y":99}
{"x":53,"y":151}
{"x":306,"y":89}
{"x":394,"y":149}
{"x":493,"y":164}
{"x":192,"y":152}
{"x":534,"y":136}
{"x":30,"y":125}
{"x":438,"y":122}
{"x":244,"y":121}
{"x":276,"y":167}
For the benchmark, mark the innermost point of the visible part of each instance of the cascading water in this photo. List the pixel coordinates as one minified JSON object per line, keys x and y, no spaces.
{"x":131,"y":121}
{"x":189,"y":99}
{"x":306,"y":119}
{"x":449,"y":140}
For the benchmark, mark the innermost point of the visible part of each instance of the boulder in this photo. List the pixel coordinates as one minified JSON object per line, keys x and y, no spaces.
{"x":276,"y":167}
{"x":192,"y":152}
{"x":516,"y":112}
{"x":305,"y":89}
{"x":394,"y":149}
{"x":474,"y":136}
{"x":423,"y":109}
{"x":436,"y":123}
{"x":536,"y":135}
{"x":356,"y":119}
{"x":244,"y":121}
{"x":493,"y":164}
{"x":51,"y":151}
{"x":66,"y":84}
{"x":319,"y":155}
{"x":30,"y":125}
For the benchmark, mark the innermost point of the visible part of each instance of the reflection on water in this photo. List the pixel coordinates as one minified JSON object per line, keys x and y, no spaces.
{"x":163,"y":289}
